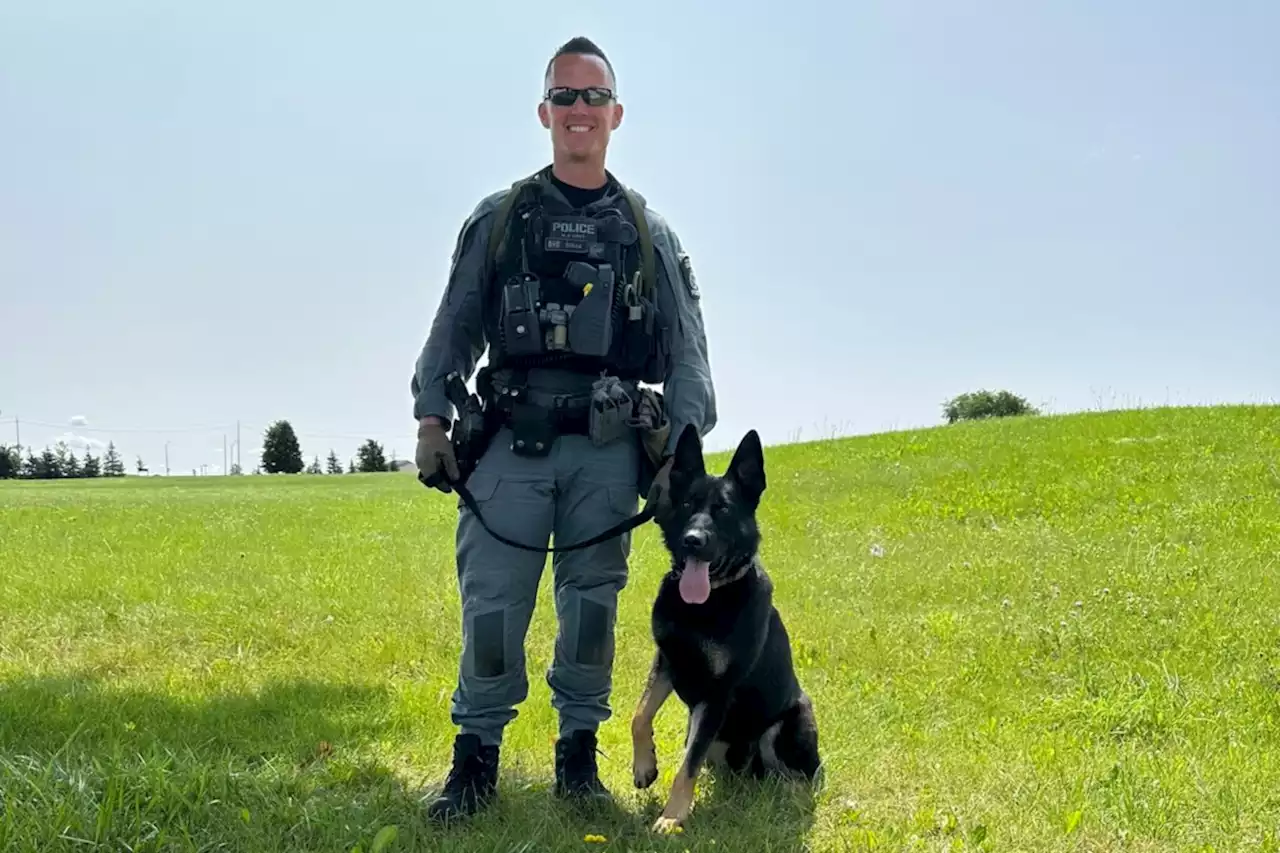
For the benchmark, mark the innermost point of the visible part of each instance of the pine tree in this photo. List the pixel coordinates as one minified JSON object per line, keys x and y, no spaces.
{"x":47,"y":467}
{"x":63,"y":454}
{"x":280,"y":451}
{"x":334,"y":466}
{"x":314,"y":467}
{"x":371,"y":457}
{"x":91,"y":467}
{"x":10,"y":463}
{"x":112,"y":465}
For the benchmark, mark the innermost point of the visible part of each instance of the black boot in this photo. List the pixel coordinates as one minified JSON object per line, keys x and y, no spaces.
{"x":472,"y":781}
{"x":576,"y":775}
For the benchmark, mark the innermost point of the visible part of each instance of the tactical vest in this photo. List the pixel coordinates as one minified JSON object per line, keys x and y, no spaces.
{"x":571,"y":289}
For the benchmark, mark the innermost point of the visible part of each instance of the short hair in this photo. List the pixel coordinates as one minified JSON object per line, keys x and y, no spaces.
{"x":582,"y":46}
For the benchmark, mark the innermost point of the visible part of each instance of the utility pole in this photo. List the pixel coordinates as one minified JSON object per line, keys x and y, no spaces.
{"x":225,"y":472}
{"x":166,"y":459}
{"x":238,"y":446}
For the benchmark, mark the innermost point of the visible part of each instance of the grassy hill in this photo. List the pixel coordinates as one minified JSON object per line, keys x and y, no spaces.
{"x":1035,"y":634}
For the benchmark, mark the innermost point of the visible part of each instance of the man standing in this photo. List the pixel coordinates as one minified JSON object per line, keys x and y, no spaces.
{"x":580,"y":294}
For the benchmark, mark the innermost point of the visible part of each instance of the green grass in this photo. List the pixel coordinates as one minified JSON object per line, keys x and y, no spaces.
{"x":1035,"y":634}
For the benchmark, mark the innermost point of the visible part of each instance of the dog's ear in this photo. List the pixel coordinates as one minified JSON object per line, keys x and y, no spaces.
{"x":688,"y":456}
{"x":746,"y":469}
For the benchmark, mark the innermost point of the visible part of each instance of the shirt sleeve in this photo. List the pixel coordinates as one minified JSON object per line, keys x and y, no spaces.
{"x":688,"y":390}
{"x":457,"y":336}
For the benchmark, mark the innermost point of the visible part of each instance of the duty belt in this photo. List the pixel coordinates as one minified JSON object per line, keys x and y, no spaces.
{"x":570,"y":413}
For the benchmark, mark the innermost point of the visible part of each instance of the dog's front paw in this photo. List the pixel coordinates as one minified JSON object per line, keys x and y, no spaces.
{"x":644,"y":769}
{"x":667,"y":825}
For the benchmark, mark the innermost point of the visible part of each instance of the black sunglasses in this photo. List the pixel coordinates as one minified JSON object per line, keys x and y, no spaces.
{"x":595,"y":96}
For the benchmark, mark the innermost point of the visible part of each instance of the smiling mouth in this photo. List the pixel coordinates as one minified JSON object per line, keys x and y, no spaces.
{"x":579,"y":128}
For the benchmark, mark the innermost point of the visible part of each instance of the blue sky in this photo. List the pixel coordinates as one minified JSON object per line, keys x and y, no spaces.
{"x":235,"y":211}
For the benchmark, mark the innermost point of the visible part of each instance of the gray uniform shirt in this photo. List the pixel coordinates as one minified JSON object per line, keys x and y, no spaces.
{"x":457,"y":339}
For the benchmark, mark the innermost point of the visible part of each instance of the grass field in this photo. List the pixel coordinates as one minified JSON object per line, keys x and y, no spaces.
{"x":1035,"y":634}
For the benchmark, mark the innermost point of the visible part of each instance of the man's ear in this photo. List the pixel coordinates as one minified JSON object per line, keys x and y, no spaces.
{"x":544,"y":114}
{"x":688,"y":462}
{"x":746,"y":469}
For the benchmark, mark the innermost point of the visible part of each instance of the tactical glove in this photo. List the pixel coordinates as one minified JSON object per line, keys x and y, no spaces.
{"x":659,"y":496}
{"x":435,"y":457}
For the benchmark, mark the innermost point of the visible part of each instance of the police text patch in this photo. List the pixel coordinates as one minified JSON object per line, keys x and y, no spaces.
{"x":570,"y":235}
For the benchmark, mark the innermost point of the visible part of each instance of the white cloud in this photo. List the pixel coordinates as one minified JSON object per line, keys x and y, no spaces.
{"x":80,"y":443}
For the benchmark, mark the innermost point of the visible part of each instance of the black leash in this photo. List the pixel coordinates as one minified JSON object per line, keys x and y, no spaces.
{"x":617,"y":530}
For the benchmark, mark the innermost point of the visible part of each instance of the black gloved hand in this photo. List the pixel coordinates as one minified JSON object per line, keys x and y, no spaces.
{"x":434,"y":458}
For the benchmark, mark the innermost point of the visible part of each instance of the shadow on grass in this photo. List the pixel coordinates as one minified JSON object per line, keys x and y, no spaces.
{"x":297,"y":766}
{"x":284,"y":768}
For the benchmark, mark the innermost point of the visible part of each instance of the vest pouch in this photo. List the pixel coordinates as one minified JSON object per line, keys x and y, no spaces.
{"x":520,"y":330}
{"x":591,"y":325}
{"x":642,"y":334}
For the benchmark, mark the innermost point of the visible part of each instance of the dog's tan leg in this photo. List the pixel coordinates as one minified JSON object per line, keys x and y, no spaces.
{"x":644,"y":755}
{"x":679,"y":804}
{"x":704,"y":725}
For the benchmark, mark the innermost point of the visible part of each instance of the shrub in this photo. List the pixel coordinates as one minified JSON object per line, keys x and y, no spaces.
{"x":978,"y":405}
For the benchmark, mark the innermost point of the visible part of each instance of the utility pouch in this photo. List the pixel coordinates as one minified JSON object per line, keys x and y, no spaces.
{"x":610,"y":411}
{"x":533,"y":430}
{"x":641,"y":335}
{"x":591,"y":325}
{"x":520,"y":328}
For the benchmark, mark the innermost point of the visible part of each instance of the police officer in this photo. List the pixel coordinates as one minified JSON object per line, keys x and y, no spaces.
{"x":585,"y":293}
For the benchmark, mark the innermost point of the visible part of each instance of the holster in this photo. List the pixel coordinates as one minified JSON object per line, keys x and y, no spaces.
{"x":474,"y":428}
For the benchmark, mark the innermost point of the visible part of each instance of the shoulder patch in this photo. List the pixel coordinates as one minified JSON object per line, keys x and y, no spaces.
{"x":686,"y":272}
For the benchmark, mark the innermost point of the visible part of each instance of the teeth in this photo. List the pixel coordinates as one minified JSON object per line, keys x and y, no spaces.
{"x":578,"y":128}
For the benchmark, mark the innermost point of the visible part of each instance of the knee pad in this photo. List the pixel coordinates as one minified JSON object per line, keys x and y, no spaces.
{"x":595,"y":641}
{"x":489,"y":644}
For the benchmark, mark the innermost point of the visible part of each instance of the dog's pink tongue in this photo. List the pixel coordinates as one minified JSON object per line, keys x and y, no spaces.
{"x":695,"y":581}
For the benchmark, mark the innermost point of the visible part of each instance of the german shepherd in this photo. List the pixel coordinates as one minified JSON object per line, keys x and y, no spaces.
{"x":721,"y":645}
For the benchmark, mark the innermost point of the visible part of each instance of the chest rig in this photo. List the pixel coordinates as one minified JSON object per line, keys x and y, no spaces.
{"x":573,"y":289}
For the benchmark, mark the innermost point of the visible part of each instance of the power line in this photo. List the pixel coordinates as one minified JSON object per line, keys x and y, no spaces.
{"x":85,"y":428}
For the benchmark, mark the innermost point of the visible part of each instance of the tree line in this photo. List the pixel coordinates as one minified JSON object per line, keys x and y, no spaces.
{"x":58,"y":463}
{"x":281,"y":454}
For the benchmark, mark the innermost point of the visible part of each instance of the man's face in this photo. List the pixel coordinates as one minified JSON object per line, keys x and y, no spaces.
{"x":579,"y":131}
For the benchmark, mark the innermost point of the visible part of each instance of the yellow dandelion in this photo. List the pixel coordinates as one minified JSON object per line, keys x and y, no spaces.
{"x":594,"y":839}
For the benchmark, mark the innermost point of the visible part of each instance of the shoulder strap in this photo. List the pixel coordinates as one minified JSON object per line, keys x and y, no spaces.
{"x":648,"y":284}
{"x":504,"y":215}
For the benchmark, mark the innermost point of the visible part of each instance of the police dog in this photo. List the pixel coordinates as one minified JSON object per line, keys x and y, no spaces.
{"x":721,"y":645}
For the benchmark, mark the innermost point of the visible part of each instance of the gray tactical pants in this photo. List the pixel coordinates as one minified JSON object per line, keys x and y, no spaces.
{"x":575,"y":492}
